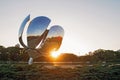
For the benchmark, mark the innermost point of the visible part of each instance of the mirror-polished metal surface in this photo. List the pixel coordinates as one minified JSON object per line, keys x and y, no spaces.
{"x":40,"y":40}
{"x":22,"y":29}
{"x":35,"y":30}
{"x":53,"y":40}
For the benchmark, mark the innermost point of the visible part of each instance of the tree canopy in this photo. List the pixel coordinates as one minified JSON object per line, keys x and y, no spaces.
{"x":15,"y":53}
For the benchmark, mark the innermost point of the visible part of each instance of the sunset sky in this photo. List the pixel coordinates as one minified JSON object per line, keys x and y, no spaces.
{"x":88,"y":24}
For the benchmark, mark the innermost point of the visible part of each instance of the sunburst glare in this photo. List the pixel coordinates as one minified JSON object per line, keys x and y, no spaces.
{"x":55,"y":54}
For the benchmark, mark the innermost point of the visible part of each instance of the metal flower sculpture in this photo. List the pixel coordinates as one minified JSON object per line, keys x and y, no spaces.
{"x":40,"y":40}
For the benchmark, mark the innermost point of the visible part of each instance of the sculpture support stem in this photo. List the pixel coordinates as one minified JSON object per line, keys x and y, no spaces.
{"x":30,"y":61}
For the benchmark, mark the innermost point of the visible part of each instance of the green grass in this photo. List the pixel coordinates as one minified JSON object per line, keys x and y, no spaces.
{"x":39,"y":72}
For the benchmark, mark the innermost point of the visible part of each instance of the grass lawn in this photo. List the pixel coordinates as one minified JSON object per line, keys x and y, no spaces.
{"x":40,"y":72}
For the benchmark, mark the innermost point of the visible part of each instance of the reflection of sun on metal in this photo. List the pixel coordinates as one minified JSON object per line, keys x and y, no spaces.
{"x":40,"y":40}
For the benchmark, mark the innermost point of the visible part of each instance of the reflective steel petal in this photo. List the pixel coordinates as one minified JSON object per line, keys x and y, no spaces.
{"x":53,"y":40}
{"x":35,"y":30}
{"x":22,"y":29}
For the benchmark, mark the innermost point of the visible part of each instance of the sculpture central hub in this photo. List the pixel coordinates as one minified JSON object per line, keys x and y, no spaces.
{"x":40,"y":40}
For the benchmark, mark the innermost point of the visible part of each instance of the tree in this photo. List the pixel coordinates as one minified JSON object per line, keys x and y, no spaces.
{"x":68,"y":57}
{"x":3,"y":54}
{"x":13,"y":53}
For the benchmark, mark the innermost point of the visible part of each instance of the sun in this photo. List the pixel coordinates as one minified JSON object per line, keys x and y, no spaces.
{"x":55,"y":54}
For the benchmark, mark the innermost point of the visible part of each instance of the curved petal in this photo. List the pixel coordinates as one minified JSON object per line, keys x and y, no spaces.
{"x":53,"y":40}
{"x":22,"y":29}
{"x":35,"y":30}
